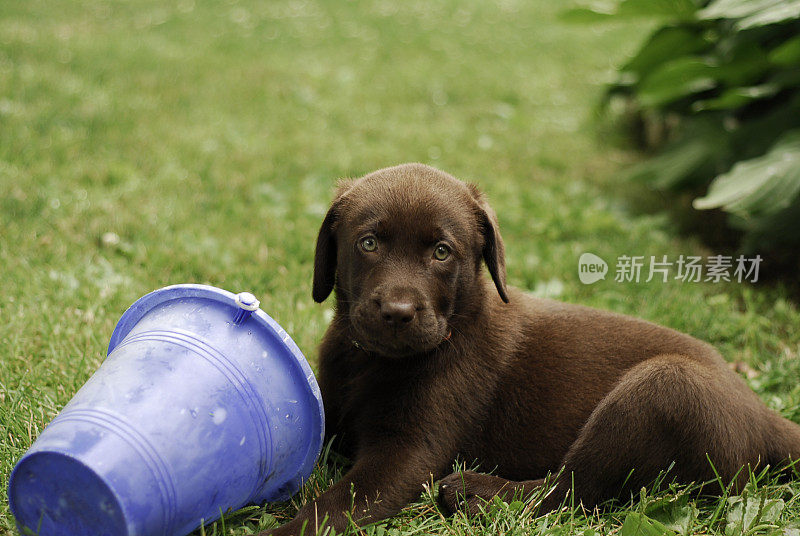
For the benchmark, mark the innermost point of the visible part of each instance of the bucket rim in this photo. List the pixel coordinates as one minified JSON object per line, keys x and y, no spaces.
{"x":148,"y":302}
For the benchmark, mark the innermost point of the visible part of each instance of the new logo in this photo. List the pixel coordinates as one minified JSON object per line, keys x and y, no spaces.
{"x":591,"y":268}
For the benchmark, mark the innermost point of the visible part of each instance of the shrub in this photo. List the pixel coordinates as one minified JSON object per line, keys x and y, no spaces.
{"x":722,"y":78}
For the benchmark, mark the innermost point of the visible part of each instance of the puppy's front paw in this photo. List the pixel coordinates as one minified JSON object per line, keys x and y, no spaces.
{"x":469,"y":490}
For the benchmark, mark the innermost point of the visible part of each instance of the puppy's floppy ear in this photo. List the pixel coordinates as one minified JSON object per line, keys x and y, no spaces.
{"x":493,"y":249}
{"x":325,"y":255}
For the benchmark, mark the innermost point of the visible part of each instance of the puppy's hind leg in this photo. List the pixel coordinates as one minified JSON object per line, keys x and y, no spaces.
{"x":669,"y":408}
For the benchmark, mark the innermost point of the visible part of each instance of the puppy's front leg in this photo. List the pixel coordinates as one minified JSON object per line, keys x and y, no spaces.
{"x":382,"y":481}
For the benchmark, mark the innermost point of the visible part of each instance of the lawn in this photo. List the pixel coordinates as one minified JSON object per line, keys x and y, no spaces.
{"x":150,"y":143}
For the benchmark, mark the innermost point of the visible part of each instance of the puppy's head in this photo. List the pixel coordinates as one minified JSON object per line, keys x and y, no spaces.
{"x":404,"y":247}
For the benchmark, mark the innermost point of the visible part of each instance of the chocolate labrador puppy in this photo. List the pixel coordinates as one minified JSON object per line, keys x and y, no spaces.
{"x":425,"y":360}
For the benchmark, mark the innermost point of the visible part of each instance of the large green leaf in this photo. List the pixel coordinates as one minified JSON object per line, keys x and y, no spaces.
{"x":675,"y":513}
{"x":788,"y":10}
{"x":675,"y":79}
{"x":752,"y":12}
{"x":744,"y":64}
{"x":747,"y":513}
{"x":666,"y":43}
{"x":735,"y":9}
{"x":787,"y":54}
{"x":761,"y":186}
{"x":637,"y":524}
{"x":737,"y":97}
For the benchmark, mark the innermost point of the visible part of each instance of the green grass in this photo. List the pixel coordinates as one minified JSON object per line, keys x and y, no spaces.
{"x":206,"y":138}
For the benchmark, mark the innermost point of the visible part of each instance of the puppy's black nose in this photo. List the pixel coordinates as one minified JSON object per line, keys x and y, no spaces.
{"x":398,"y":312}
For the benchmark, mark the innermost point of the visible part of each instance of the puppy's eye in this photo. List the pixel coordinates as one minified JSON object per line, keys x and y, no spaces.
{"x":369,"y":243}
{"x":441,"y":252}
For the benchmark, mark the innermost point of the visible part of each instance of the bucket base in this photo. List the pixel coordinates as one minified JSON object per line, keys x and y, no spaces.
{"x":56,"y":495}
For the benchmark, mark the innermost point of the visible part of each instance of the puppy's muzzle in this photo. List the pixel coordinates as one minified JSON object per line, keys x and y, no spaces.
{"x":397,"y":320}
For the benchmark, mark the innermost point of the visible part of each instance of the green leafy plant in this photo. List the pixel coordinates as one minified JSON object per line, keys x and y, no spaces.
{"x":721,"y":79}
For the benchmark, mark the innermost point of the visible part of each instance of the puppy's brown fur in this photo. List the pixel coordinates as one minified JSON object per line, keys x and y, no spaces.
{"x":426,"y":360}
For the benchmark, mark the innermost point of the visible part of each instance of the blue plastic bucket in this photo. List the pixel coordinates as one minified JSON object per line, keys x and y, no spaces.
{"x":204,"y":405}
